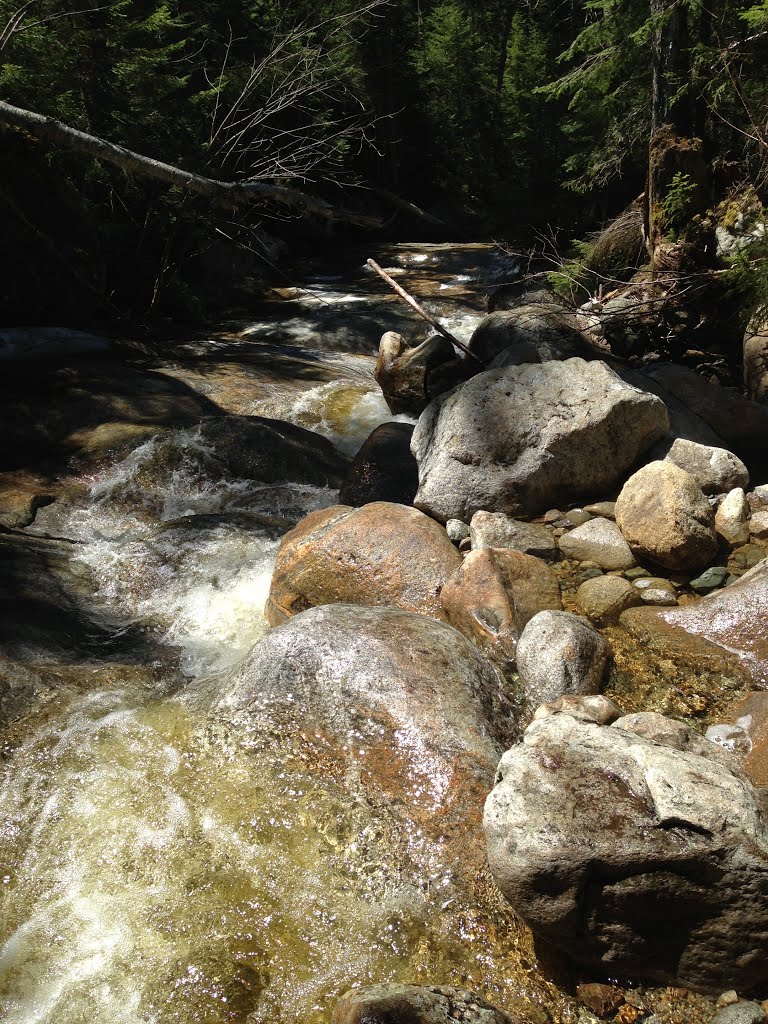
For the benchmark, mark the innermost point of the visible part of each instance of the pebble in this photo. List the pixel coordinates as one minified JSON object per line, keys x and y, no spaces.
{"x":635,"y":574}
{"x":709,"y":580}
{"x":552,"y":516}
{"x":456,"y":530}
{"x":607,"y":509}
{"x":577,"y":516}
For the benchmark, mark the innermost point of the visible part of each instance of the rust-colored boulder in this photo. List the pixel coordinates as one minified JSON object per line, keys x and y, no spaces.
{"x":494,"y":593}
{"x":382,"y":554}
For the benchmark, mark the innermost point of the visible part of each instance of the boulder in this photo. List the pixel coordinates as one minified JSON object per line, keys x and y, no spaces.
{"x":741,"y":424}
{"x":493,"y":595}
{"x":732,"y":518}
{"x":665,"y":517}
{"x":525,"y":438}
{"x":383,"y":469}
{"x":742,"y":1012}
{"x":496,"y":530}
{"x":401,"y":372}
{"x":758,"y":525}
{"x":404,"y":708}
{"x":635,"y":858}
{"x":715,"y":470}
{"x":599,"y":541}
{"x":532,"y":332}
{"x":603,"y":598}
{"x":380,"y":554}
{"x":557,"y":654}
{"x":417,"y":1004}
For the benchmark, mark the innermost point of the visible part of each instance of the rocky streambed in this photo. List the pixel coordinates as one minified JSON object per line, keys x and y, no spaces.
{"x":270,"y":642}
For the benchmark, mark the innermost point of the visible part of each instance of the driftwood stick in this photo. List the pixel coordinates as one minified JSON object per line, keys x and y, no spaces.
{"x":422,"y":312}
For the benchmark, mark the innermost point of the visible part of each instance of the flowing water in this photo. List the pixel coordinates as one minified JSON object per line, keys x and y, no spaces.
{"x":156,"y":864}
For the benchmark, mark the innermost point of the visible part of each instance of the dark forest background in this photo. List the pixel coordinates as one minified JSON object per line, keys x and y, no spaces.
{"x":496,"y":118}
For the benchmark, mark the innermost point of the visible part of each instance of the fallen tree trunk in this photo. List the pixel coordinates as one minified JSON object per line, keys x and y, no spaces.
{"x":220,"y":193}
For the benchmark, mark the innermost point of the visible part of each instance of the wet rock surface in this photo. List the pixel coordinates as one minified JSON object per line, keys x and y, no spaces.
{"x":379,"y":554}
{"x":731,"y":620}
{"x":493,"y":595}
{"x":406,"y":704}
{"x":383,"y":469}
{"x":523,"y":439}
{"x":632,"y":856}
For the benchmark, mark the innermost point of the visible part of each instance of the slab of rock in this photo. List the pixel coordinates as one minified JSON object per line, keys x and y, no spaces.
{"x":603,"y":598}
{"x":732,"y":619}
{"x":558,"y":653}
{"x":529,"y":333}
{"x":599,"y":541}
{"x":497,"y":530}
{"x":493,"y":595}
{"x":756,"y":361}
{"x":380,"y":554}
{"x":732,"y":518}
{"x":383,"y":469}
{"x":715,"y":470}
{"x":665,"y":517}
{"x":417,"y":1004}
{"x":633,"y":857}
{"x":522,"y":439}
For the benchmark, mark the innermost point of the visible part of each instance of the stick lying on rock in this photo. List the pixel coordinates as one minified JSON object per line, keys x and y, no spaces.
{"x":422,"y":312}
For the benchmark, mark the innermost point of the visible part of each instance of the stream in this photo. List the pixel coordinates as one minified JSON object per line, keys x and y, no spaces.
{"x":159,"y":865}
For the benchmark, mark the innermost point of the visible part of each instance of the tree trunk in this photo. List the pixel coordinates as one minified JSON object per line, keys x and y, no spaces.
{"x":219,"y":193}
{"x":679,"y":181}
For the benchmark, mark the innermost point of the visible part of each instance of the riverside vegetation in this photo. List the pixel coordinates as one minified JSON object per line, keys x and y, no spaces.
{"x":348,"y":674}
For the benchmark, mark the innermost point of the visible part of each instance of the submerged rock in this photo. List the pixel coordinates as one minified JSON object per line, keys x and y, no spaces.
{"x":380,"y":554}
{"x":632,"y":856}
{"x":604,"y":598}
{"x":417,"y":1004}
{"x":525,"y":438}
{"x":732,"y":620}
{"x":383,"y":469}
{"x":665,"y":517}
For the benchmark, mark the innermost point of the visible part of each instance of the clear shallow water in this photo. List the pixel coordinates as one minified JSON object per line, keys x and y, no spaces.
{"x":159,"y":865}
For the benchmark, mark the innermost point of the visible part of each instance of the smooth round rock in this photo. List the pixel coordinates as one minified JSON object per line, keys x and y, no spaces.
{"x":380,"y":554}
{"x":603,"y":598}
{"x":665,"y":517}
{"x":558,"y":653}
{"x":732,"y":518}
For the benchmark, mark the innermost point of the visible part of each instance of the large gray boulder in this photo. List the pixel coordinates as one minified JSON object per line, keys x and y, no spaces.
{"x":532,"y":332}
{"x":525,"y":438}
{"x":639,"y":857}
